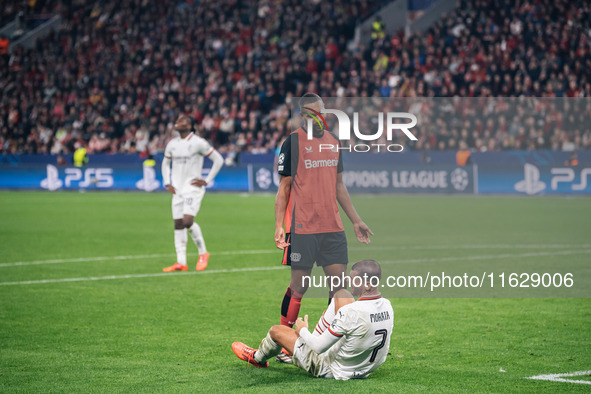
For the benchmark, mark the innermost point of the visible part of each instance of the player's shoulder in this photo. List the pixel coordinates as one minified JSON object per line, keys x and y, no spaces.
{"x":291,"y":140}
{"x":198,"y":140}
{"x":294,"y":135}
{"x":173,"y":141}
{"x":349,"y":312}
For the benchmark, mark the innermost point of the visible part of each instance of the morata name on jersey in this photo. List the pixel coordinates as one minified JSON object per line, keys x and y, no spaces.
{"x":378,"y":317}
{"x":321,"y":163}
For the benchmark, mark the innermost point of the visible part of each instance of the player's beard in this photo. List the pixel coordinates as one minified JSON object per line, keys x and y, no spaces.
{"x":317,"y":130}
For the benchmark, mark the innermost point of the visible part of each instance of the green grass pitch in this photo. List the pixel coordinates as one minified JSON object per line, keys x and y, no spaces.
{"x":118,"y":326}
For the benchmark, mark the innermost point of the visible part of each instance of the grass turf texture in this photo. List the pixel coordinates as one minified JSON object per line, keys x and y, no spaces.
{"x":173,"y":333}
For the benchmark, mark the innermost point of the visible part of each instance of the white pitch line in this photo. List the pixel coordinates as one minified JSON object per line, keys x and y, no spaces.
{"x":558,"y":377}
{"x":132,"y":276}
{"x":131,"y":257}
{"x":271,"y":251}
{"x":232,"y":270}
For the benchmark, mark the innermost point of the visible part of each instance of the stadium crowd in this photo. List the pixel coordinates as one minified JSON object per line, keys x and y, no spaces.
{"x":116,"y":74}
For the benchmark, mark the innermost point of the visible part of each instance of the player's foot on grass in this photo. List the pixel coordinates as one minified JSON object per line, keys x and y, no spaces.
{"x":202,"y":262}
{"x":246,"y":353}
{"x":175,"y":267}
{"x":283,"y":357}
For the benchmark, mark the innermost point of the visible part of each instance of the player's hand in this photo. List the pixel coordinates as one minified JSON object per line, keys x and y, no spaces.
{"x":198,"y":182}
{"x":299,"y":324}
{"x":280,"y":238}
{"x":171,"y":189}
{"x":362,"y":232}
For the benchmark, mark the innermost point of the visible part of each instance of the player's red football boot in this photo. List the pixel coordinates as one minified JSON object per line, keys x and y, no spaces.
{"x":202,"y":262}
{"x":246,"y":353}
{"x":175,"y":267}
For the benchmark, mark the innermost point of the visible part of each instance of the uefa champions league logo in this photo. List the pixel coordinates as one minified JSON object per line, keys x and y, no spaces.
{"x":459,"y":179}
{"x":264,"y":178}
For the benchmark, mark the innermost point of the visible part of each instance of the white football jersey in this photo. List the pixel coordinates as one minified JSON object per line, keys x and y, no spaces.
{"x":365,"y":327}
{"x":187,"y":160}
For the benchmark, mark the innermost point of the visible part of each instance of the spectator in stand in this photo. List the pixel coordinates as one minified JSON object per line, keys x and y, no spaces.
{"x":98,"y":79}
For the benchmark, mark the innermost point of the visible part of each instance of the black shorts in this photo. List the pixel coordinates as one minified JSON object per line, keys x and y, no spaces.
{"x":323,"y":249}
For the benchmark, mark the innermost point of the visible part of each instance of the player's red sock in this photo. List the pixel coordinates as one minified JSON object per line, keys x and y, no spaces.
{"x":290,"y":307}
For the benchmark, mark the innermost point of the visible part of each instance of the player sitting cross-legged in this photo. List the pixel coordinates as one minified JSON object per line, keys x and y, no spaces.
{"x":350,"y":341}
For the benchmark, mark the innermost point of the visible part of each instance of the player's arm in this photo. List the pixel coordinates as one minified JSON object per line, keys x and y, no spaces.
{"x":285,"y":165}
{"x":362,"y":231}
{"x":166,"y":173}
{"x":320,"y":343}
{"x":281,"y":200}
{"x":218,"y":162}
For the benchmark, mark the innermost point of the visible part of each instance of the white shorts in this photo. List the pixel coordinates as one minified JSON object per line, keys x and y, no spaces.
{"x":308,"y":360}
{"x":186,"y":203}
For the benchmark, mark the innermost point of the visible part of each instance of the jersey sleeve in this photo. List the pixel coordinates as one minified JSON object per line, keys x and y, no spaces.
{"x":204,"y":149}
{"x":287,"y":163}
{"x":167,"y":151}
{"x":343,"y":323}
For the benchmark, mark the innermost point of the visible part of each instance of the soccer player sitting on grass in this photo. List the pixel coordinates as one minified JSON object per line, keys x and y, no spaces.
{"x":350,"y":341}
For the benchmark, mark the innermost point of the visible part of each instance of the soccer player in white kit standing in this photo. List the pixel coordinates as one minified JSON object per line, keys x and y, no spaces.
{"x":350,"y":341}
{"x":184,"y":181}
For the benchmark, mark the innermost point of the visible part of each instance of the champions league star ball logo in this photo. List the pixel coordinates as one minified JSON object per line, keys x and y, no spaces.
{"x":264,"y":177}
{"x":459,"y":179}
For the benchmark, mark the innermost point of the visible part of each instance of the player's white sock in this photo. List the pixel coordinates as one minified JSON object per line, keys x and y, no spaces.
{"x":197,"y":236}
{"x":325,"y":320}
{"x":180,"y":244}
{"x":267,"y":350}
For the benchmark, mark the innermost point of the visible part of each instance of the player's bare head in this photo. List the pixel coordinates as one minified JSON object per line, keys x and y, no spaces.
{"x":183,"y":124}
{"x":311,"y":101}
{"x":365,"y":277}
{"x":311,"y":105}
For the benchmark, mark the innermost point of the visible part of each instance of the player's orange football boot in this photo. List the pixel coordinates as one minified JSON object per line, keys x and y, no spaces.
{"x":175,"y":267}
{"x":202,"y":262}
{"x":246,"y":353}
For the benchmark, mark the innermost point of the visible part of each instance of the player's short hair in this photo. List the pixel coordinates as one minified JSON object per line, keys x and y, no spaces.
{"x":192,"y":121}
{"x":185,"y":118}
{"x":310,"y":98}
{"x":368,"y":267}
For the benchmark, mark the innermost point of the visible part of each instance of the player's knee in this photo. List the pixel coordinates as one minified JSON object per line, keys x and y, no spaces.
{"x":187,"y":223}
{"x":178,"y":225}
{"x":298,"y":287}
{"x":274,"y":332}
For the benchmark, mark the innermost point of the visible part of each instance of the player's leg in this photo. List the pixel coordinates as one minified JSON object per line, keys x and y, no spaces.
{"x":333,"y":258}
{"x":278,"y":337}
{"x":292,"y":300}
{"x":180,"y":236}
{"x":190,"y":210}
{"x":301,"y":260}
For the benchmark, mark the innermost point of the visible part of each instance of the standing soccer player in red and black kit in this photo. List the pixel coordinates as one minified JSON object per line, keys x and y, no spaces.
{"x":311,"y":183}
